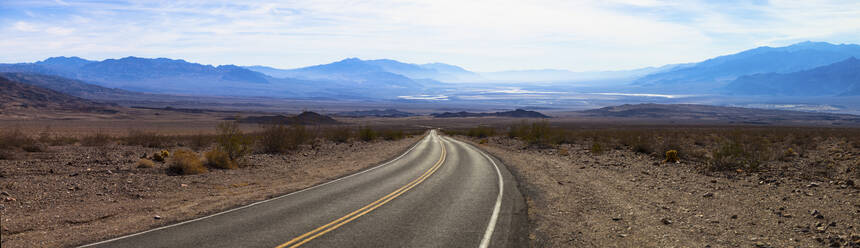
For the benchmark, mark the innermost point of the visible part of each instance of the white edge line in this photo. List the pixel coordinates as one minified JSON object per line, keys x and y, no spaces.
{"x":260,"y":202}
{"x":488,"y":234}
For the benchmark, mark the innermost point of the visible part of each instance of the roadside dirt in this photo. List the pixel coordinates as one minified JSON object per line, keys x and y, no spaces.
{"x":627,"y":199}
{"x":73,"y":195}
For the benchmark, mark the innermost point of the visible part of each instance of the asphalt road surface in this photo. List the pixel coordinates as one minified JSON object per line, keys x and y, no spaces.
{"x":440,"y":193}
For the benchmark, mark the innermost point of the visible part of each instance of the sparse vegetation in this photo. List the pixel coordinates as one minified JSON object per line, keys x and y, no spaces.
{"x":96,"y":139}
{"x":367,"y":134}
{"x":145,"y":139}
{"x":217,"y":158}
{"x":672,"y":157}
{"x":145,"y":163}
{"x":717,"y":148}
{"x":280,"y":138}
{"x":186,"y":162}
{"x":160,"y":156}
{"x":232,"y":141}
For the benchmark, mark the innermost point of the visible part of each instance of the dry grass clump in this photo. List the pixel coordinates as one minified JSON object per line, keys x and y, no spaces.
{"x":392,"y":134}
{"x":217,"y":158}
{"x":96,"y":139}
{"x":145,"y":163}
{"x":186,"y":162}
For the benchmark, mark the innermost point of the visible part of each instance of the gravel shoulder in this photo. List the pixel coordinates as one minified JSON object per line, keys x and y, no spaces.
{"x":73,"y":195}
{"x":627,"y":199}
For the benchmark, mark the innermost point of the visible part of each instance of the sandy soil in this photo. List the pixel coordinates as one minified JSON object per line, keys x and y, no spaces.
{"x":625,"y":199}
{"x":72,"y":195}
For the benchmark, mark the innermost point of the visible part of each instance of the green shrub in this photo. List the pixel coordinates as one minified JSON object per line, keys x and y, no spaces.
{"x":367,"y":134}
{"x":186,"y":162}
{"x":219,"y":159}
{"x":232,"y":141}
{"x":596,"y":148}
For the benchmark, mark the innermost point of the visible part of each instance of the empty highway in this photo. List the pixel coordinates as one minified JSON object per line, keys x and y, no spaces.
{"x":439,"y":193}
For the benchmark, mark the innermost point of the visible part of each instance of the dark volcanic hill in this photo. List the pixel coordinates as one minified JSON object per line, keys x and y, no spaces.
{"x":22,"y":99}
{"x":375,"y":113}
{"x":840,"y":78}
{"x":305,"y":118}
{"x":662,"y":112}
{"x":519,"y":113}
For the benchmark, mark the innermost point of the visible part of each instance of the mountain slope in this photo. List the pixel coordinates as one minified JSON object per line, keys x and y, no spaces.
{"x":717,"y":72}
{"x":24,"y":99}
{"x":67,"y":86}
{"x":841,"y":78}
{"x":694,"y":112}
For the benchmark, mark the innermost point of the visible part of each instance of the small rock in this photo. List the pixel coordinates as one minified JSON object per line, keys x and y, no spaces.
{"x":10,"y":199}
{"x":183,"y":185}
{"x":616,"y":218}
{"x":812,"y":184}
{"x":109,"y":172}
{"x":817,"y":214}
{"x":622,"y":235}
{"x":157,"y":217}
{"x":734,"y":216}
{"x":4,"y":193}
{"x":709,"y":194}
{"x":849,"y":182}
{"x":74,"y":174}
{"x":666,"y":221}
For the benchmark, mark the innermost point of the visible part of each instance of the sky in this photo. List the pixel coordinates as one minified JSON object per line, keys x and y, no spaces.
{"x":477,"y":35}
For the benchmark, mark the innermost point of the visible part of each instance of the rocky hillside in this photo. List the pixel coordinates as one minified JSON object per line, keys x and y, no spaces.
{"x":22,"y":99}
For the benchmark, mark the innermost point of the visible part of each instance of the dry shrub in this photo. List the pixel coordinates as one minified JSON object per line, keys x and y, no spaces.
{"x":672,"y":157}
{"x":96,"y":139}
{"x":145,"y":139}
{"x":13,"y":139}
{"x":199,"y":141}
{"x":145,"y":163}
{"x":391,"y":134}
{"x":481,"y":132}
{"x":339,"y":134}
{"x":367,"y":134}
{"x":217,"y":158}
{"x":278,"y":138}
{"x":186,"y":162}
{"x":160,"y":156}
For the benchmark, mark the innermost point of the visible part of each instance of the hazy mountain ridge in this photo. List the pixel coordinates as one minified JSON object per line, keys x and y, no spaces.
{"x":841,"y":78}
{"x":719,"y":71}
{"x":22,"y":99}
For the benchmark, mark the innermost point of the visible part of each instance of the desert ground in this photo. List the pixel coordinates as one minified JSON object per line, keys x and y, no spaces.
{"x":83,"y":182}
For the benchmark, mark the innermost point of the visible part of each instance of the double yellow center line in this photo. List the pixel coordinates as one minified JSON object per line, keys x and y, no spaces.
{"x":307,"y":237}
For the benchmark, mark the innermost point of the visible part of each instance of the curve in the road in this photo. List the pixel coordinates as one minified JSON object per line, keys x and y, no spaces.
{"x":307,"y":237}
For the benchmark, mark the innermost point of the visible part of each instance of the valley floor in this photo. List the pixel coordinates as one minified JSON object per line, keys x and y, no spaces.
{"x":627,"y":199}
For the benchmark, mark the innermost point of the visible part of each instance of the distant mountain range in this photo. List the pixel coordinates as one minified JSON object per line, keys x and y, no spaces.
{"x":841,"y":78}
{"x":519,"y":113}
{"x":802,"y":69}
{"x":715,"y":73}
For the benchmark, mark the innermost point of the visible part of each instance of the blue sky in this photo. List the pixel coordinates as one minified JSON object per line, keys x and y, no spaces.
{"x":478,"y":35}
